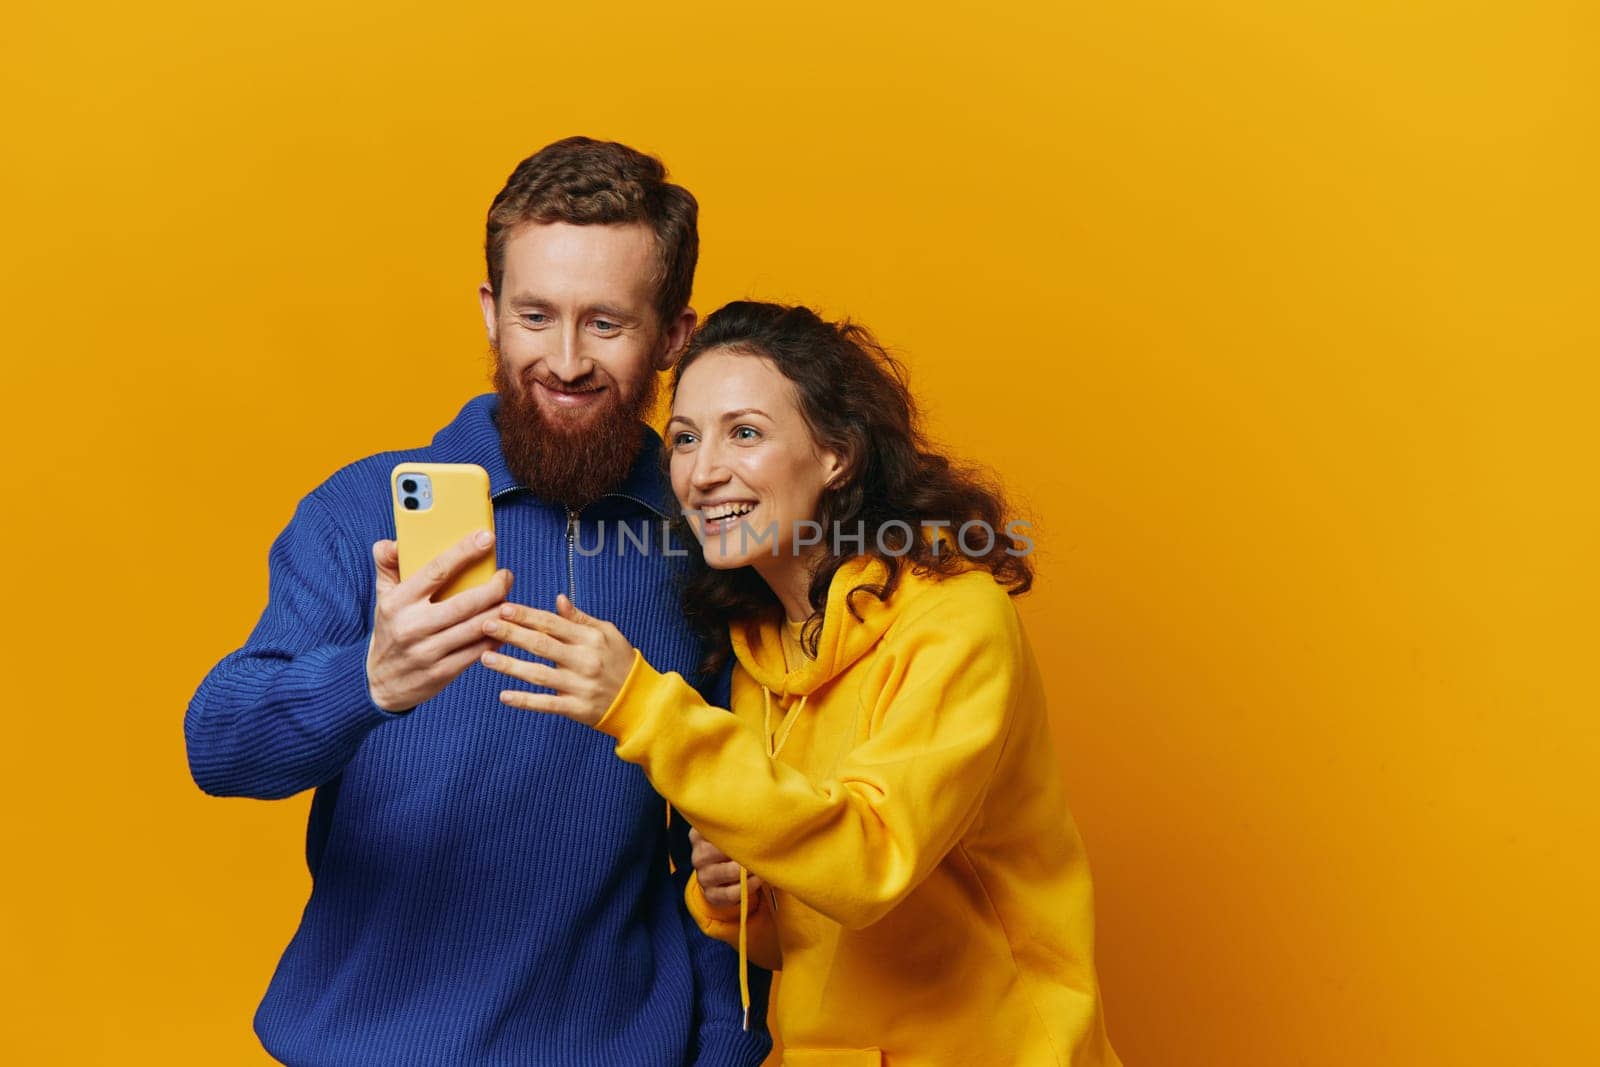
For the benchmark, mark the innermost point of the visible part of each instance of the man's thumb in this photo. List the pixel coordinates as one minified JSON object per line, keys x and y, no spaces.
{"x":386,"y":554}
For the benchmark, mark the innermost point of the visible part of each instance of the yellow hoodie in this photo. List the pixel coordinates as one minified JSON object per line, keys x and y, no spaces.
{"x":929,"y":895}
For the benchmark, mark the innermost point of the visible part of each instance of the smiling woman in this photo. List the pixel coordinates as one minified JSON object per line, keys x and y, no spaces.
{"x":805,"y":434}
{"x":880,"y":817}
{"x":746,"y":468}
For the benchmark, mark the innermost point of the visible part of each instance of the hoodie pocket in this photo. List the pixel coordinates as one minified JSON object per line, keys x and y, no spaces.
{"x":832,"y":1057}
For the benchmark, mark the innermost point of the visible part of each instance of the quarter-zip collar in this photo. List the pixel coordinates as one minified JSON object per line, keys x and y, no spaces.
{"x":473,"y":437}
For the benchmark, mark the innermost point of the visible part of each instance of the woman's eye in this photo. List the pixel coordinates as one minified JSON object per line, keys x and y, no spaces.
{"x":681,"y":439}
{"x":746,"y":433}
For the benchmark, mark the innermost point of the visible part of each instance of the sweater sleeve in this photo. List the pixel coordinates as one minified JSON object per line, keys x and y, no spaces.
{"x":852,"y":845}
{"x":287,"y":711}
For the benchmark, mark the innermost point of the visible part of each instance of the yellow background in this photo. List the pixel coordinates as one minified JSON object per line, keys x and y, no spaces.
{"x":1275,"y":315}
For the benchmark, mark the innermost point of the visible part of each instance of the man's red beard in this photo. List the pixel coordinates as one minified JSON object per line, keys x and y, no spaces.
{"x":573,"y":460}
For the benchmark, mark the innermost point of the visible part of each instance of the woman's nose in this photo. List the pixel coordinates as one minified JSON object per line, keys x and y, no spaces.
{"x":709,"y":470}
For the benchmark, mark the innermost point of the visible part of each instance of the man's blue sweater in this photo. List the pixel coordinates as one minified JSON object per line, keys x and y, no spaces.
{"x":488,"y":885}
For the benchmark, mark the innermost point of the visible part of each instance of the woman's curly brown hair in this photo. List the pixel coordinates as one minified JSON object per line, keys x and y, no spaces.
{"x":856,"y":401}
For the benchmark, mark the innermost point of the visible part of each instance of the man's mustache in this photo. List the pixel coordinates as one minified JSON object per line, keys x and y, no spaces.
{"x":587,"y":383}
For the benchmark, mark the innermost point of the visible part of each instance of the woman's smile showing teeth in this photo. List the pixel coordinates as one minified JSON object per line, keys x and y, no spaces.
{"x":722,"y":515}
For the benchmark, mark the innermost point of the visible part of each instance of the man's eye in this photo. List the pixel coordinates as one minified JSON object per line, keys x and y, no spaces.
{"x":535,"y":318}
{"x":605,"y":327}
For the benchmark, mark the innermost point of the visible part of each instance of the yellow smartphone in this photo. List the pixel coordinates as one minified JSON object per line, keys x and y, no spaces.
{"x":436,"y":505}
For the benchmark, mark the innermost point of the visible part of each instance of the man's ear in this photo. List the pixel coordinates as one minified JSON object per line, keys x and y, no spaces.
{"x":491,"y":314}
{"x":675,"y":338}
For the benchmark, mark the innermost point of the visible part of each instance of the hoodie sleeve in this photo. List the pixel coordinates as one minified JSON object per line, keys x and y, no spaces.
{"x":288,"y":710}
{"x":941,"y":692}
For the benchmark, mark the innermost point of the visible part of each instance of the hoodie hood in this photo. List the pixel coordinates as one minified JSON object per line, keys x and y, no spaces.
{"x":758,"y":645}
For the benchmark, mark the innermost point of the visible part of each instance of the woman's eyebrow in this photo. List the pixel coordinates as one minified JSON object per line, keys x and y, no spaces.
{"x":726,"y":416}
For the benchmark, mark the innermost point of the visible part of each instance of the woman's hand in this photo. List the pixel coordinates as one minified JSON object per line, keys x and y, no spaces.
{"x":592,"y":659}
{"x":719,"y":875}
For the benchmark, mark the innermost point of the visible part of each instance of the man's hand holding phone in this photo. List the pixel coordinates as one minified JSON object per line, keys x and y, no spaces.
{"x":419,"y":646}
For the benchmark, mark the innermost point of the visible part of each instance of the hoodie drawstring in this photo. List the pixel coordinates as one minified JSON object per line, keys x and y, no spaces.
{"x":672,"y":864}
{"x":775,"y":744}
{"x":744,"y":952}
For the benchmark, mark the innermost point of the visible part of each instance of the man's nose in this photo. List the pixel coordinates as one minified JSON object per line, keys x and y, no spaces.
{"x":566,"y":359}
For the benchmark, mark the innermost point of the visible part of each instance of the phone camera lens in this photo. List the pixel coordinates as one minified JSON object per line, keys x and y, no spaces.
{"x":409,"y":485}
{"x":411,"y":503}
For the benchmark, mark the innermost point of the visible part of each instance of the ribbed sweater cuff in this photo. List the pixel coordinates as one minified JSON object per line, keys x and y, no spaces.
{"x":332,"y":688}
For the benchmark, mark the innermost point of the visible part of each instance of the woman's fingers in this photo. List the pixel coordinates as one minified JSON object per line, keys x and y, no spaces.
{"x":568,"y":610}
{"x":717,"y":874}
{"x":727,"y":896}
{"x":721,"y":896}
{"x":545,"y":622}
{"x":548,"y":702}
{"x":529,"y":640}
{"x":704,"y":852}
{"x":523,"y":671}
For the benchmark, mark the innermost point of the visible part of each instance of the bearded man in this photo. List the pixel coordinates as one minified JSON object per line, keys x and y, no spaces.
{"x":490,"y":886}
